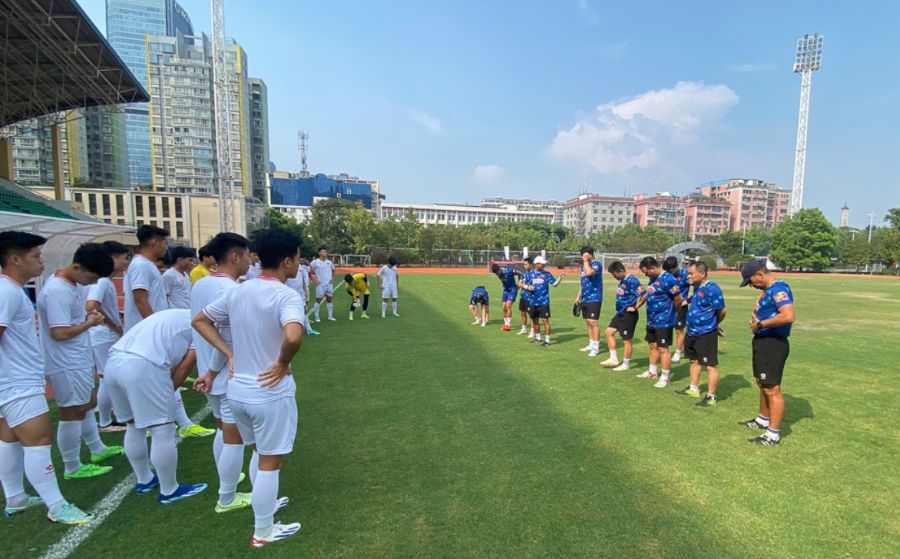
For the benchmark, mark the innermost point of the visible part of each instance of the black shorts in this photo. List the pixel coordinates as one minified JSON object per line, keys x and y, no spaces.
{"x":662,"y":337}
{"x":703,"y":348}
{"x":769,"y":356}
{"x":524,"y":305}
{"x":681,"y":318}
{"x":590,"y":311}
{"x":540,"y":312}
{"x":625,"y":324}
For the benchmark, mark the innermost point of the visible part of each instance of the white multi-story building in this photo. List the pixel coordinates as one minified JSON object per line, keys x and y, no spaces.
{"x":589,"y":213}
{"x":458,"y":214}
{"x":557,"y":208}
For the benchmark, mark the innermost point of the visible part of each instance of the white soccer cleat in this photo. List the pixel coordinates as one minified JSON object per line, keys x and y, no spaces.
{"x":647,"y":374}
{"x":476,"y":323}
{"x":609,"y":363}
{"x":594,"y":353}
{"x":586,"y":348}
{"x":317,"y":319}
{"x":483,"y":324}
{"x":332,"y":318}
{"x":395,"y":314}
{"x":621,"y":368}
{"x":661,"y":383}
{"x":279,"y":532}
{"x":531,"y":335}
{"x":676,"y":358}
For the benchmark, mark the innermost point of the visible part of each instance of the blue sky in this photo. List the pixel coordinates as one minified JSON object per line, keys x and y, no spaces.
{"x":455,"y":101}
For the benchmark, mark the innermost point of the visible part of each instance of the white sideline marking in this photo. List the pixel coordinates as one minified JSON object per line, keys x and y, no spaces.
{"x":78,"y":534}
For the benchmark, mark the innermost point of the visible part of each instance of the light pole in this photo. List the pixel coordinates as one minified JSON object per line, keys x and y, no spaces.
{"x":809,"y":59}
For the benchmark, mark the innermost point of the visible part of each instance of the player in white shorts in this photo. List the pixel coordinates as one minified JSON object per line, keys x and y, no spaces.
{"x":266,"y":326}
{"x":388,"y":281}
{"x":69,"y":360}
{"x":323,"y":273}
{"x":232,"y":254}
{"x":102,"y":298}
{"x":25,"y":426}
{"x":143,"y":368}
{"x":146,"y":294}
{"x":176,"y":282}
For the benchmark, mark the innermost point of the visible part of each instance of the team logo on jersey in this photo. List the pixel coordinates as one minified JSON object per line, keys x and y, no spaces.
{"x":651,"y":289}
{"x":781,"y":296}
{"x":538,"y":280}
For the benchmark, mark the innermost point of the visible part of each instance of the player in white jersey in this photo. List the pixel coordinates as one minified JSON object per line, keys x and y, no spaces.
{"x":232,"y":254}
{"x":389,"y":281}
{"x":145,"y":294}
{"x":300,"y":284}
{"x":176,"y":281}
{"x":69,"y":361}
{"x":322,"y":274}
{"x":143,"y":368}
{"x":25,"y":426}
{"x":266,"y":326}
{"x":254,"y":269}
{"x":102,"y":298}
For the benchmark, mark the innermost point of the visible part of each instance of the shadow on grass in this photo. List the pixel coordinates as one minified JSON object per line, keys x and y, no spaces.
{"x":796,"y":410}
{"x":730,"y":384}
{"x":443,"y":449}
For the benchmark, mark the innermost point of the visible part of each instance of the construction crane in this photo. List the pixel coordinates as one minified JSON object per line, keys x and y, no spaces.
{"x":224,"y":170}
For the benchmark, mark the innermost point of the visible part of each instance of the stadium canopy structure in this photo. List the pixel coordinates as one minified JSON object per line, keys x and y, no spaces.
{"x":53,"y":58}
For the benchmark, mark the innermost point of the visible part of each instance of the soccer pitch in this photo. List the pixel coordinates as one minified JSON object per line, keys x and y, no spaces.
{"x":425,"y":436}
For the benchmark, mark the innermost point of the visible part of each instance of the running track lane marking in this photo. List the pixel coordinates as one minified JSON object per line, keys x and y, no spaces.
{"x":77,"y":535}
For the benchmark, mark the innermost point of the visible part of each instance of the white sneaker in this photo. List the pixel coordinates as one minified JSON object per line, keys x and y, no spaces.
{"x":676,"y":358}
{"x":621,"y":368}
{"x":395,"y":314}
{"x":279,"y":532}
{"x":531,"y":335}
{"x":483,"y":324}
{"x":663,"y":382}
{"x":317,"y":319}
{"x":609,"y":363}
{"x":594,"y":353}
{"x":521,"y":332}
{"x":586,"y":348}
{"x":382,"y":316}
{"x":476,"y":323}
{"x":332,"y":318}
{"x":647,"y":374}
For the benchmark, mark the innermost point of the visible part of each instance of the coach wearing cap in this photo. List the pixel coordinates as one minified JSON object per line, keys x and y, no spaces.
{"x":771,"y":325}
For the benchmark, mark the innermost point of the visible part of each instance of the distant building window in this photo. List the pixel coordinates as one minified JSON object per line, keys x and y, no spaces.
{"x":167,"y":226}
{"x":92,"y":200}
{"x":78,"y":198}
{"x":178,"y":208}
{"x":152,"y":206}
{"x":179,"y":230}
{"x":106,"y":208}
{"x":139,"y":208}
{"x":165,"y":207}
{"x":120,"y":206}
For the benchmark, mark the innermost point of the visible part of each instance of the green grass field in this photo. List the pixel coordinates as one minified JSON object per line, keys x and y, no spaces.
{"x":425,"y":436}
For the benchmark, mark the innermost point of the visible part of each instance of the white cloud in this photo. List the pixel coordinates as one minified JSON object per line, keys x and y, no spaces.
{"x":488,"y":174}
{"x":430,"y":123}
{"x":641,"y":132}
{"x":752,"y":67}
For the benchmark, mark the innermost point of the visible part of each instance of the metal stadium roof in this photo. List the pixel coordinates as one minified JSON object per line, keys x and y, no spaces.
{"x":53,"y":58}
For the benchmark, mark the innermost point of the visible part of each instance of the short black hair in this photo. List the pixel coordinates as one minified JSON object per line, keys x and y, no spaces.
{"x":616,"y":267}
{"x":273,"y":246}
{"x":145,"y":233}
{"x":115,"y":248}
{"x":321,"y":248}
{"x":94,"y":258}
{"x":529,"y":259}
{"x":223,"y":243}
{"x":392,"y":261}
{"x":203,"y":251}
{"x":183,"y":252}
{"x":18,"y":242}
{"x":348,"y":278}
{"x":649,"y":262}
{"x":700,"y":266}
{"x":587,"y":249}
{"x":670,"y":264}
{"x":495,"y":268}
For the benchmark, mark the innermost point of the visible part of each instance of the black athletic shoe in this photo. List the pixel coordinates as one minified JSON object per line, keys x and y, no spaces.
{"x":753,"y":424}
{"x":764,"y":440}
{"x":546,"y":343}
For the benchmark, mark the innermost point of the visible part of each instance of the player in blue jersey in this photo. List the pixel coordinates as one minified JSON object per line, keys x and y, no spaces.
{"x":540,"y":283}
{"x":525,"y":298}
{"x":680,"y":273}
{"x":507,"y":276}
{"x":771,"y":325}
{"x":480,"y":298}
{"x":662,"y":298}
{"x":625,"y":319}
{"x":590,"y":298}
{"x":705,"y":315}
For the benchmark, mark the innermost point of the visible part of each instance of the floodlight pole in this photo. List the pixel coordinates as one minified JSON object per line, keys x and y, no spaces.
{"x":809,"y":59}
{"x":224,"y":170}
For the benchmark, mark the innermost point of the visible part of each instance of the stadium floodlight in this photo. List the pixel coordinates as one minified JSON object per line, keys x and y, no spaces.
{"x":808,"y":60}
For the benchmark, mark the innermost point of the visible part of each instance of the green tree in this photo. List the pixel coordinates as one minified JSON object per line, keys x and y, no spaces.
{"x":893,"y":217}
{"x":804,"y":241}
{"x":857,"y":252}
{"x":728,"y":246}
{"x":409,"y":228}
{"x":886,"y":243}
{"x":361,"y":228}
{"x":328,"y":224}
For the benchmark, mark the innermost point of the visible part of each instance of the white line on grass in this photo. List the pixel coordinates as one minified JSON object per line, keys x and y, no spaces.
{"x":76,"y":536}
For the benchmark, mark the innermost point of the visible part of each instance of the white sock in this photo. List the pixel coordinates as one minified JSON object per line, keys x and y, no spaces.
{"x":665,"y":374}
{"x":104,"y":404}
{"x":506,"y":321}
{"x":12,"y":472}
{"x":394,"y":307}
{"x":537,"y":336}
{"x":254,"y":466}
{"x":316,"y":311}
{"x":614,"y":355}
{"x":694,"y":387}
{"x":383,"y":309}
{"x":136,"y":452}
{"x":41,"y":475}
{"x":627,"y":361}
{"x":547,"y":337}
{"x":229,"y":466}
{"x":265,"y":493}
{"x":181,"y":416}
{"x":330,"y":307}
{"x":68,"y":439}
{"x":164,"y":456}
{"x":306,"y":323}
{"x":653,"y":369}
{"x":90,"y":434}
{"x":218,"y":442}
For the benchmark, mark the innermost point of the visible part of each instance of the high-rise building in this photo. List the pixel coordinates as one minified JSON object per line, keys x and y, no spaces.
{"x":259,"y":138}
{"x":106,"y":147}
{"x":526,"y":205}
{"x":705,"y":216}
{"x":754,"y":203}
{"x":128,"y":23}
{"x":32,"y":149}
{"x":661,"y":210}
{"x":589,"y":213}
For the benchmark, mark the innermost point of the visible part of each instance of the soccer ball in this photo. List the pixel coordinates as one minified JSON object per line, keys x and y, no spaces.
{"x":355,"y":303}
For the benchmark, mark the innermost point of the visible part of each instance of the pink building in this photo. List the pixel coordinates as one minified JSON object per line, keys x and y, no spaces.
{"x":753,"y":202}
{"x":706,"y":216}
{"x":662,"y":210}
